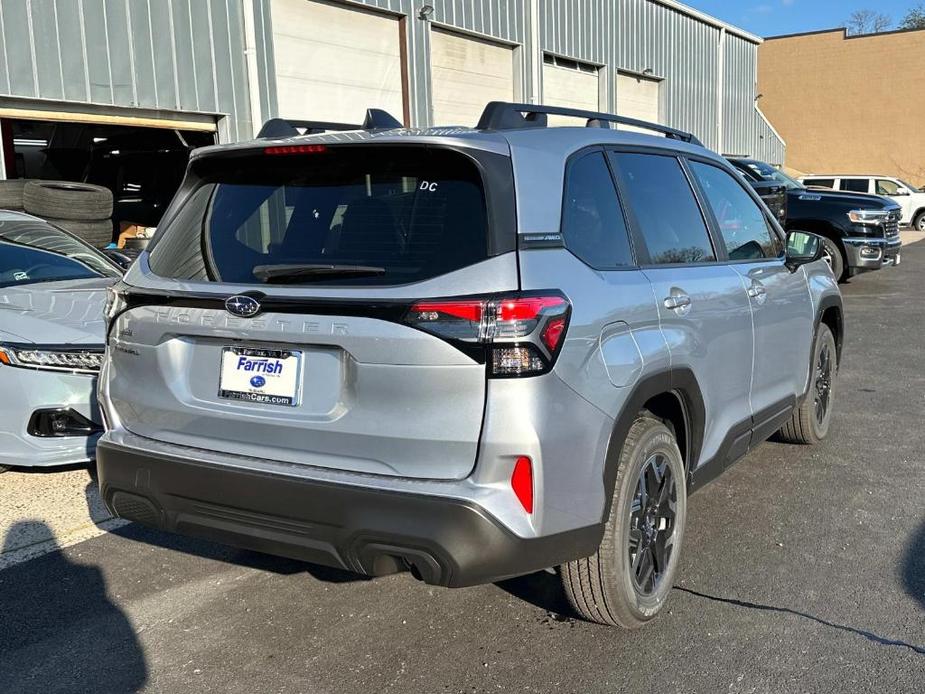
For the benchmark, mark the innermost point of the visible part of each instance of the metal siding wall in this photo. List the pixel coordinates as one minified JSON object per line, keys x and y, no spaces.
{"x":178,"y":55}
{"x":747,"y":132}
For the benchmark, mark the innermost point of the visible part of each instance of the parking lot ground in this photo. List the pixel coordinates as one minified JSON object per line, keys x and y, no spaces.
{"x":803,"y":571}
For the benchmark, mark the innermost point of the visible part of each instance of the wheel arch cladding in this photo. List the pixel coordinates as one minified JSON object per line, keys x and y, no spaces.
{"x":673,"y":396}
{"x":830,"y":314}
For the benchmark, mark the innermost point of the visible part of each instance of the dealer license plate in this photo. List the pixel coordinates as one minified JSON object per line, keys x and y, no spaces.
{"x":266,"y":376}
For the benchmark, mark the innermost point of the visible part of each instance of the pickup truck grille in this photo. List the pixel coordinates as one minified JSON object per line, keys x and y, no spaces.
{"x":891,"y":225}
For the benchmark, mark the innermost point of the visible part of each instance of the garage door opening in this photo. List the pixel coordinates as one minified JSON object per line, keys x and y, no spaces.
{"x":466,"y":73}
{"x":142,"y":166}
{"x":570,"y":83}
{"x":639,"y":97}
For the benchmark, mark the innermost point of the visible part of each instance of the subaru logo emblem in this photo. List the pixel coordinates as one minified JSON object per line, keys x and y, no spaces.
{"x":242,"y":306}
{"x":258,"y":381}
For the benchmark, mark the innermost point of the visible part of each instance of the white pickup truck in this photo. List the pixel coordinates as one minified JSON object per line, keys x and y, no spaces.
{"x":910,"y":198}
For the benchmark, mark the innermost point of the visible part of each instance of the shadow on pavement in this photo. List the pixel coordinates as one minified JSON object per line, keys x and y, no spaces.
{"x":913,"y":571}
{"x":541,"y":589}
{"x":50,"y":601}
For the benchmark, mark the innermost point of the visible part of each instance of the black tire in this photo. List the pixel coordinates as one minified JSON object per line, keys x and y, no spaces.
{"x":809,"y":425}
{"x":67,"y":200}
{"x":11,"y":193}
{"x":835,"y":258}
{"x":97,"y":234}
{"x":604,"y":587}
{"x":919,"y":222}
{"x":4,"y":468}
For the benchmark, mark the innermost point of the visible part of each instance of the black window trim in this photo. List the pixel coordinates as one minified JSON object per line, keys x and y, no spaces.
{"x":636,"y":236}
{"x":574,"y":157}
{"x":713,"y":223}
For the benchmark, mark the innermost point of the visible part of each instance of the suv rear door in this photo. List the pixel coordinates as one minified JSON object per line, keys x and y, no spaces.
{"x":703,"y":306}
{"x":335,"y":244}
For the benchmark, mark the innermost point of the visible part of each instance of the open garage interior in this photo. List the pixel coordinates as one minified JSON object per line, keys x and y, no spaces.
{"x":142,"y":166}
{"x":466,"y":73}
{"x":333,"y":61}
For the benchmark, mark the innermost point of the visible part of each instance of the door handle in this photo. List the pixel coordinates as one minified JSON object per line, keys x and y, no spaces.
{"x":756,"y":290}
{"x":676,"y":301}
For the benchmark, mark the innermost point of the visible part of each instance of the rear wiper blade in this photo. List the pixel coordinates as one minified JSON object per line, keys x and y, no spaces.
{"x":310,"y":271}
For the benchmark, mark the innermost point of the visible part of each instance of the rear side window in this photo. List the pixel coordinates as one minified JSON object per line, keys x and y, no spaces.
{"x":819,"y":182}
{"x":669,"y":218}
{"x":592,"y":220}
{"x":742,"y":222}
{"x":855,"y":185}
{"x":343,"y":216}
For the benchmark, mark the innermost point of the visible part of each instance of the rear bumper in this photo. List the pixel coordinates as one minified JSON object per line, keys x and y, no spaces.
{"x":443,"y":541}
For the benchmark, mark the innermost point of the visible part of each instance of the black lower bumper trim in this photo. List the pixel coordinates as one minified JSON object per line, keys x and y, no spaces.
{"x":442,"y":541}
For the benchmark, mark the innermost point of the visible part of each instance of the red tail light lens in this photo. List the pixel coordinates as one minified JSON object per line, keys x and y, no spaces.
{"x":523,"y":333}
{"x":522,"y":483}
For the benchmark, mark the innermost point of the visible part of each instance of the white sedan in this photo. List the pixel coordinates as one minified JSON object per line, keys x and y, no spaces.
{"x":52,"y":295}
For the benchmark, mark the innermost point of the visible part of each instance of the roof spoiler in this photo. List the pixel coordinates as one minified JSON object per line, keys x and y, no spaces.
{"x":502,"y":115}
{"x":376,"y":119}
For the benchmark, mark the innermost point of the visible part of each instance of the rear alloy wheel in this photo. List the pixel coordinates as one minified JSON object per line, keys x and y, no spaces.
{"x":810,"y":422}
{"x":627,"y":581}
{"x":832,"y":255}
{"x":919,"y":222}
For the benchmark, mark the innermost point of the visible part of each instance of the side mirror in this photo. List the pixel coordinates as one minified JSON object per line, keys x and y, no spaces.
{"x":902,"y":191}
{"x":118,"y":257}
{"x":803,"y":248}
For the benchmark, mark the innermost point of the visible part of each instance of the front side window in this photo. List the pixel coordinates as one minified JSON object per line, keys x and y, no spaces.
{"x":592,"y":220}
{"x":819,"y":182}
{"x":742,"y":222}
{"x":887,"y":187}
{"x":32,"y":252}
{"x":669,"y":218}
{"x":855,"y":185}
{"x":345,"y":216}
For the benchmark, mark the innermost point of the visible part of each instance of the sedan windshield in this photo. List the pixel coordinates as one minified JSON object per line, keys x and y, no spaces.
{"x":32,"y":251}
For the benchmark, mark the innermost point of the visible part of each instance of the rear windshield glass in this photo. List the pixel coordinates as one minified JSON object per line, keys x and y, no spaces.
{"x":348,"y":215}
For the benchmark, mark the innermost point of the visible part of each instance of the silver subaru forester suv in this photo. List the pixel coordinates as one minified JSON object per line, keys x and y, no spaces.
{"x":467,"y":353}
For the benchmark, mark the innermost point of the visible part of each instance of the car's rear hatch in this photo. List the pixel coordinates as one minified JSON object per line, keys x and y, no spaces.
{"x":331,"y":245}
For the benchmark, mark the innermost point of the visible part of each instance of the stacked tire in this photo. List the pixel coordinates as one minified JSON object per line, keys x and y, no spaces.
{"x":83,"y":209}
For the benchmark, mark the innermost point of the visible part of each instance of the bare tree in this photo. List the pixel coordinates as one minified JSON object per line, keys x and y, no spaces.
{"x":868,"y":22}
{"x":914,"y":19}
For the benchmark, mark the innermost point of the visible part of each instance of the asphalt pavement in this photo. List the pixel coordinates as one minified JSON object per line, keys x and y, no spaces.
{"x":803,"y":571}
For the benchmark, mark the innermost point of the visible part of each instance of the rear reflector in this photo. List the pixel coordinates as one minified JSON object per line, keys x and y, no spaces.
{"x":522,"y":483}
{"x":295,"y":149}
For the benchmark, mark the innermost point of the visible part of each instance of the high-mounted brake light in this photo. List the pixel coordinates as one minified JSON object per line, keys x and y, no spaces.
{"x":523,"y":333}
{"x":295,"y":149}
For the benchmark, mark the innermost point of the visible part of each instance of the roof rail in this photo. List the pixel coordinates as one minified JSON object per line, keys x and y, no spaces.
{"x":501,"y":115}
{"x":284,"y":127}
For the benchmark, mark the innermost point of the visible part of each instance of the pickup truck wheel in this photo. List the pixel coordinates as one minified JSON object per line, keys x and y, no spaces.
{"x":919,"y":222}
{"x":627,"y":581}
{"x":809,"y":423}
{"x":833,"y":257}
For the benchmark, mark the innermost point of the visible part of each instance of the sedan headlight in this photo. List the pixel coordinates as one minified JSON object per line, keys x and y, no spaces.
{"x":64,"y":359}
{"x":868,"y":216}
